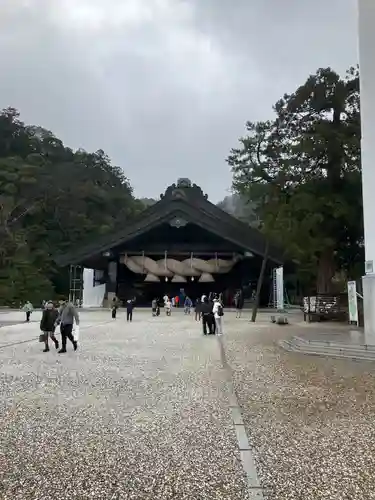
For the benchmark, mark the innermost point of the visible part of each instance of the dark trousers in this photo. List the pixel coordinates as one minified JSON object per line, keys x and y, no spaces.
{"x":28,"y":313}
{"x":129,"y":315}
{"x":114,"y":313}
{"x":207,"y":322}
{"x":66,"y":333}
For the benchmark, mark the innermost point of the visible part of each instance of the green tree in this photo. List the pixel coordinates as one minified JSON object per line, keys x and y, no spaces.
{"x":241,"y":208}
{"x":50,"y":199}
{"x":303,"y":171}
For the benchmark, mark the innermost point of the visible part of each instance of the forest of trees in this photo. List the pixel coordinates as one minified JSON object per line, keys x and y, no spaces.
{"x":301,"y":171}
{"x":296,"y":176}
{"x":51,"y":198}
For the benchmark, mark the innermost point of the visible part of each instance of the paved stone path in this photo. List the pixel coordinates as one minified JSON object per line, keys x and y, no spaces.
{"x":140,"y":411}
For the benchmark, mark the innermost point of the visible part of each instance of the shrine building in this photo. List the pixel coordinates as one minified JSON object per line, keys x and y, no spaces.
{"x":181,"y":244}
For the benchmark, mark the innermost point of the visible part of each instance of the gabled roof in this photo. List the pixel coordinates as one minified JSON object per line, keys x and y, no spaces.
{"x":189,"y":202}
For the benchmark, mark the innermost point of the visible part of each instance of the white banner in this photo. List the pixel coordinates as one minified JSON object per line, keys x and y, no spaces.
{"x":352,"y":302}
{"x":280,"y":288}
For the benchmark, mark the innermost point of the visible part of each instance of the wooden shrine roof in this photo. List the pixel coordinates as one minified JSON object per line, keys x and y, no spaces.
{"x":179,"y":201}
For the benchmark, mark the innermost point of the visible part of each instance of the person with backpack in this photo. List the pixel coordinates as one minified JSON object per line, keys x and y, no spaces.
{"x":218,"y":312}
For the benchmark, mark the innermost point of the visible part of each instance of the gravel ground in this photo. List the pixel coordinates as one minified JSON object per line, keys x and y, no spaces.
{"x":139,"y":412}
{"x":310,"y":419}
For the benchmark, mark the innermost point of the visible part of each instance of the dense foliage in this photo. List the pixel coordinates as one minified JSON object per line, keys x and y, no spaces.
{"x":241,"y":208}
{"x":51,"y":198}
{"x":302,"y":172}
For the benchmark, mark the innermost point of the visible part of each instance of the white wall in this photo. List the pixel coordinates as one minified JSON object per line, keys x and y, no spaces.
{"x":367,"y":82}
{"x":366,"y":37}
{"x":93,"y":296}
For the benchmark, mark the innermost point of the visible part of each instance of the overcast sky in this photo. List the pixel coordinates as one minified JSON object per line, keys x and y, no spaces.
{"x":164,"y":86}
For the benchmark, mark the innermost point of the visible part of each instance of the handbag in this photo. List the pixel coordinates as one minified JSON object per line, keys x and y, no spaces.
{"x":42,"y":337}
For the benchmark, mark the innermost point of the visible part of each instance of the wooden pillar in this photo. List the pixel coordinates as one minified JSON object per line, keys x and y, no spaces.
{"x":111,"y":282}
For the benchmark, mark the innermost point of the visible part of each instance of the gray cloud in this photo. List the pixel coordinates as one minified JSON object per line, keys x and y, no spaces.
{"x":164,"y":86}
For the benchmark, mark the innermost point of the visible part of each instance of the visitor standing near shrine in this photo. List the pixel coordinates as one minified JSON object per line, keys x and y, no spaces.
{"x":48,"y":325}
{"x":207,"y":317}
{"x":168,"y":307}
{"x":211,"y":296}
{"x":154,"y":306}
{"x":129,"y":310}
{"x":67,"y":316}
{"x":177,"y":301}
{"x":114,"y":307}
{"x":239,"y":302}
{"x":218,"y":312}
{"x":198,"y":305}
{"x":28,"y":309}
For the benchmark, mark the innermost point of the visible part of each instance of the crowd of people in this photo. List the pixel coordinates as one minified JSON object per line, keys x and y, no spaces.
{"x":209,"y":310}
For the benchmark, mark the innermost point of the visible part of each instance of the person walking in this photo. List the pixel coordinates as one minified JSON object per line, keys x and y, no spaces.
{"x":129,"y":310}
{"x":218,"y":312}
{"x":177,"y":301}
{"x":67,"y":315}
{"x":48,"y":325}
{"x":187,"y":305}
{"x":28,"y":309}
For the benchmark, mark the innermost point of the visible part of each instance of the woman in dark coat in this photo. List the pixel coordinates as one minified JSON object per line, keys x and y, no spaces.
{"x":48,"y":325}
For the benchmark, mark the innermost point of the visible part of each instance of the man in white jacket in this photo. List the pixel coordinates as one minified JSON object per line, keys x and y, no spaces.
{"x":218,"y":315}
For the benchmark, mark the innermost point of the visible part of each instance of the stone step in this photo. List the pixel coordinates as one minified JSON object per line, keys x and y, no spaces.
{"x":346,"y":351}
{"x":336,"y":345}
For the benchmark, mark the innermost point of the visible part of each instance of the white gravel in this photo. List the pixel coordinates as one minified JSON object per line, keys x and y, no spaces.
{"x":140,"y":411}
{"x":311,"y":420}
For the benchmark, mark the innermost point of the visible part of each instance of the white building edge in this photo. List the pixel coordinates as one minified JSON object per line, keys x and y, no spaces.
{"x":92,"y":295}
{"x":366,"y":38}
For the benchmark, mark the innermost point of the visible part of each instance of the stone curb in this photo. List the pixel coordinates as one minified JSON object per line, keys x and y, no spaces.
{"x":254,"y":487}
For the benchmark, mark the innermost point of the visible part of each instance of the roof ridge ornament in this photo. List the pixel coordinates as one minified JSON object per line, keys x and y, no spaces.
{"x":183,"y":189}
